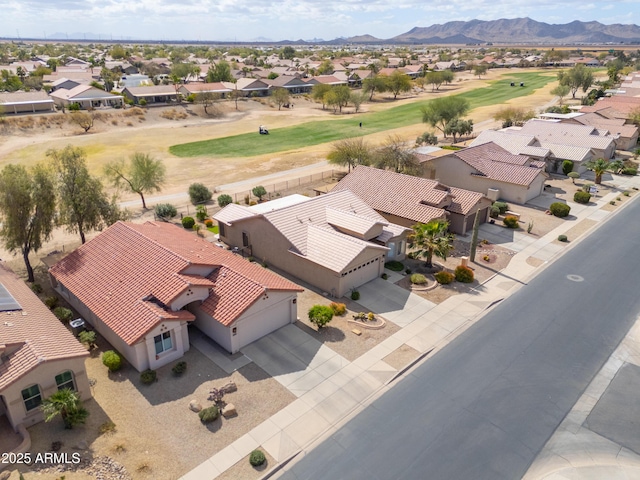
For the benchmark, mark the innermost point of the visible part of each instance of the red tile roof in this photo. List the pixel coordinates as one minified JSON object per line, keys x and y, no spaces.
{"x":118,"y":274}
{"x":30,"y":336}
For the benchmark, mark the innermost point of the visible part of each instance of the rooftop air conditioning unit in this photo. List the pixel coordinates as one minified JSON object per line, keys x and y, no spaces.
{"x":493,"y":194}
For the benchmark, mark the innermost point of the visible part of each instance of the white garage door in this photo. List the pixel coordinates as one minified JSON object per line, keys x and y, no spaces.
{"x":362,"y":275}
{"x":256,"y":327}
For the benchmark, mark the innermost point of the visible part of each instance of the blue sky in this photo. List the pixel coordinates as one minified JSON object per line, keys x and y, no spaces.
{"x":246,"y":20}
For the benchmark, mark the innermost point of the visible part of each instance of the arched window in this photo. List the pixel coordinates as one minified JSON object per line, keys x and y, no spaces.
{"x":65,"y":380}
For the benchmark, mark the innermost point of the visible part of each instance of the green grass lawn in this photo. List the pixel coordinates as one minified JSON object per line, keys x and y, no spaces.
{"x":213,"y":229}
{"x":324,"y":131}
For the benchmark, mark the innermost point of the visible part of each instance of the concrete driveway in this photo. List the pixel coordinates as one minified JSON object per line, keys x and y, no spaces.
{"x":295,"y":359}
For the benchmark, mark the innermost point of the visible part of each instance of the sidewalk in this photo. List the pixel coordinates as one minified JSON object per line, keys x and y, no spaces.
{"x":347,"y":388}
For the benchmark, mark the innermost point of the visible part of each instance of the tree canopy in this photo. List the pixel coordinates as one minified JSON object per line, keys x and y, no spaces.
{"x":350,"y":152}
{"x":441,"y":111}
{"x":142,"y":174}
{"x":578,"y":77}
{"x":432,"y":238}
{"x":398,"y":82}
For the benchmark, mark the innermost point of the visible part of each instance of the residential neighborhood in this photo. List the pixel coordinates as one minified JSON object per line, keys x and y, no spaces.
{"x":242,"y":249}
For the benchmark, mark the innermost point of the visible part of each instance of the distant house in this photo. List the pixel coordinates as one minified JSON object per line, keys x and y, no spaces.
{"x":292,"y":84}
{"x":326,"y":80}
{"x":335,"y":242}
{"x":26,"y":102}
{"x":407,"y":200}
{"x":249,"y":87}
{"x":196,"y":88}
{"x":490,"y":170}
{"x":64,"y":83}
{"x":87,"y":97}
{"x":38,"y":355}
{"x":140,"y":285}
{"x":156,"y":94}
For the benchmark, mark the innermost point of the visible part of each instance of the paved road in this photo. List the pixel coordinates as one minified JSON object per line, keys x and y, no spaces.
{"x":483,"y":407}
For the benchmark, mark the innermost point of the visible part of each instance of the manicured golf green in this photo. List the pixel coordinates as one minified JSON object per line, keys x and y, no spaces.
{"x":323,"y":131}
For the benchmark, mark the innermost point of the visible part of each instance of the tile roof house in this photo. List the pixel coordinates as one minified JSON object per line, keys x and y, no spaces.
{"x":335,"y":241}
{"x":87,"y":97}
{"x":292,"y":84}
{"x":491,"y":170}
{"x":407,"y":200}
{"x":197,"y":87}
{"x":26,"y":102}
{"x":140,"y":285}
{"x":38,"y":355}
{"x":152,"y":94}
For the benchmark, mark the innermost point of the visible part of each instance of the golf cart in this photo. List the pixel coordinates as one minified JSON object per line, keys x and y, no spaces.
{"x":263,"y":130}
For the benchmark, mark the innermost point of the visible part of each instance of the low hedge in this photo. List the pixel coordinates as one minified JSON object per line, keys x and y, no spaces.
{"x":188,"y":222}
{"x":148,"y":377}
{"x":394,"y":266}
{"x":112,"y":360}
{"x":510,"y":221}
{"x":464,"y":274}
{"x":418,"y":279}
{"x":581,"y":197}
{"x":444,"y":278}
{"x":560,"y":210}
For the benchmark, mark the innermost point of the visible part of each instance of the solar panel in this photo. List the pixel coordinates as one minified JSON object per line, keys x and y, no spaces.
{"x":7,"y":302}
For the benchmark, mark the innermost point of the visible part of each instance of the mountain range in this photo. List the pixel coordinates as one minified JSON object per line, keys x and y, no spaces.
{"x":512,"y":31}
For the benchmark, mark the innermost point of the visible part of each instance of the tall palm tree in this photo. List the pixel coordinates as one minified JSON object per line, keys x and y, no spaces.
{"x":66,"y":403}
{"x":432,"y":238}
{"x":600,"y":166}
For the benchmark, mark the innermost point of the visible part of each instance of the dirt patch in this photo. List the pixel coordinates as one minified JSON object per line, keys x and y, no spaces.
{"x":245,"y":471}
{"x":401,"y":357}
{"x":534,"y":262}
{"x":576,"y":231}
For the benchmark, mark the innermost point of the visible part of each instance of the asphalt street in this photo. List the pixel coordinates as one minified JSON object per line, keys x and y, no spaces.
{"x":484,"y":406}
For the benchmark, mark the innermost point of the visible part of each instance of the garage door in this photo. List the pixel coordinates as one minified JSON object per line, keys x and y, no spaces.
{"x":361,"y":275}
{"x":256,"y":327}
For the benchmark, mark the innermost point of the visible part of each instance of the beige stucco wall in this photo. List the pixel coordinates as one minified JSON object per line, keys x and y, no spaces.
{"x":44,"y":375}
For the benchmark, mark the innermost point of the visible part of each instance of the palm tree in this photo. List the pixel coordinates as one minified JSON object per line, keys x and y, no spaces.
{"x":600,"y":166}
{"x":432,"y":238}
{"x":66,"y":403}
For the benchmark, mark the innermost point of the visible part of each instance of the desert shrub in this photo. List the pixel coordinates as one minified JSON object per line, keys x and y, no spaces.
{"x":188,"y":222}
{"x":418,"y":279}
{"x":209,"y":414}
{"x":573,"y":176}
{"x":179,"y":368}
{"x":36,"y":288}
{"x":394,"y":266}
{"x":502,"y":206}
{"x":199,"y":193}
{"x":252,"y":203}
{"x":74,"y":107}
{"x":510,"y":221}
{"x":320,"y":315}
{"x":444,"y":278}
{"x":567,"y":166}
{"x":408,"y":271}
{"x":112,"y":360}
{"x":257,"y":458}
{"x":560,"y":210}
{"x":208,"y":223}
{"x":107,"y":427}
{"x":384,"y":276}
{"x":142,"y":102}
{"x":201,"y":213}
{"x":581,"y":197}
{"x":148,"y":377}
{"x":339,"y":309}
{"x":166,"y":210}
{"x":486,"y":258}
{"x":355,"y":295}
{"x":612,"y":202}
{"x":625,"y":193}
{"x":191,"y":98}
{"x":371,"y":316}
{"x":464,"y":274}
{"x":224,"y":200}
{"x":259,"y":192}
{"x":51,"y":302}
{"x":562,"y":238}
{"x":629,"y":171}
{"x":494,"y":212}
{"x":87,"y":337}
{"x":63,"y":314}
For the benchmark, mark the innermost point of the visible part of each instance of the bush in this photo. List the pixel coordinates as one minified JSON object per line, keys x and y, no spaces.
{"x":63,"y":314}
{"x":494,"y":212}
{"x":201,"y":213}
{"x":257,"y":458}
{"x":510,"y":221}
{"x":502,"y":206}
{"x":259,"y":192}
{"x":112,"y":360}
{"x":320,"y":315}
{"x":418,"y":279}
{"x":567,"y":166}
{"x":339,"y":309}
{"x":179,"y":368}
{"x":148,"y":377}
{"x":394,"y":266}
{"x":444,"y":278}
{"x":166,"y":211}
{"x":224,"y":200}
{"x":355,"y":295}
{"x":384,"y":276}
{"x":581,"y":197}
{"x":188,"y":222}
{"x":209,"y":414}
{"x":408,"y":271}
{"x":51,"y":302}
{"x":560,"y":210}
{"x":629,"y":171}
{"x":625,"y":193}
{"x":74,"y":107}
{"x":142,"y":102}
{"x":573,"y":176}
{"x":464,"y":274}
{"x":199,"y":193}
{"x":87,"y":337}
{"x":562,"y":238}
{"x":208,"y":223}
{"x":36,"y":288}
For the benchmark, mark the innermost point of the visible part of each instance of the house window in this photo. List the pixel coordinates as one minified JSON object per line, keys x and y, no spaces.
{"x":163,"y":342}
{"x":65,"y":380}
{"x":392,"y":250}
{"x":221,"y":229}
{"x":32,"y":397}
{"x":245,"y":239}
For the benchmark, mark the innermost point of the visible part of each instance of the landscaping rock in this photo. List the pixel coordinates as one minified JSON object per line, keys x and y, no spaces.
{"x":195,"y":406}
{"x":229,"y":411}
{"x":229,"y":388}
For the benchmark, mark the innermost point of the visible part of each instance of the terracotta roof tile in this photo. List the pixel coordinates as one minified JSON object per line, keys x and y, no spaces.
{"x":32,"y":335}
{"x":119,"y":274}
